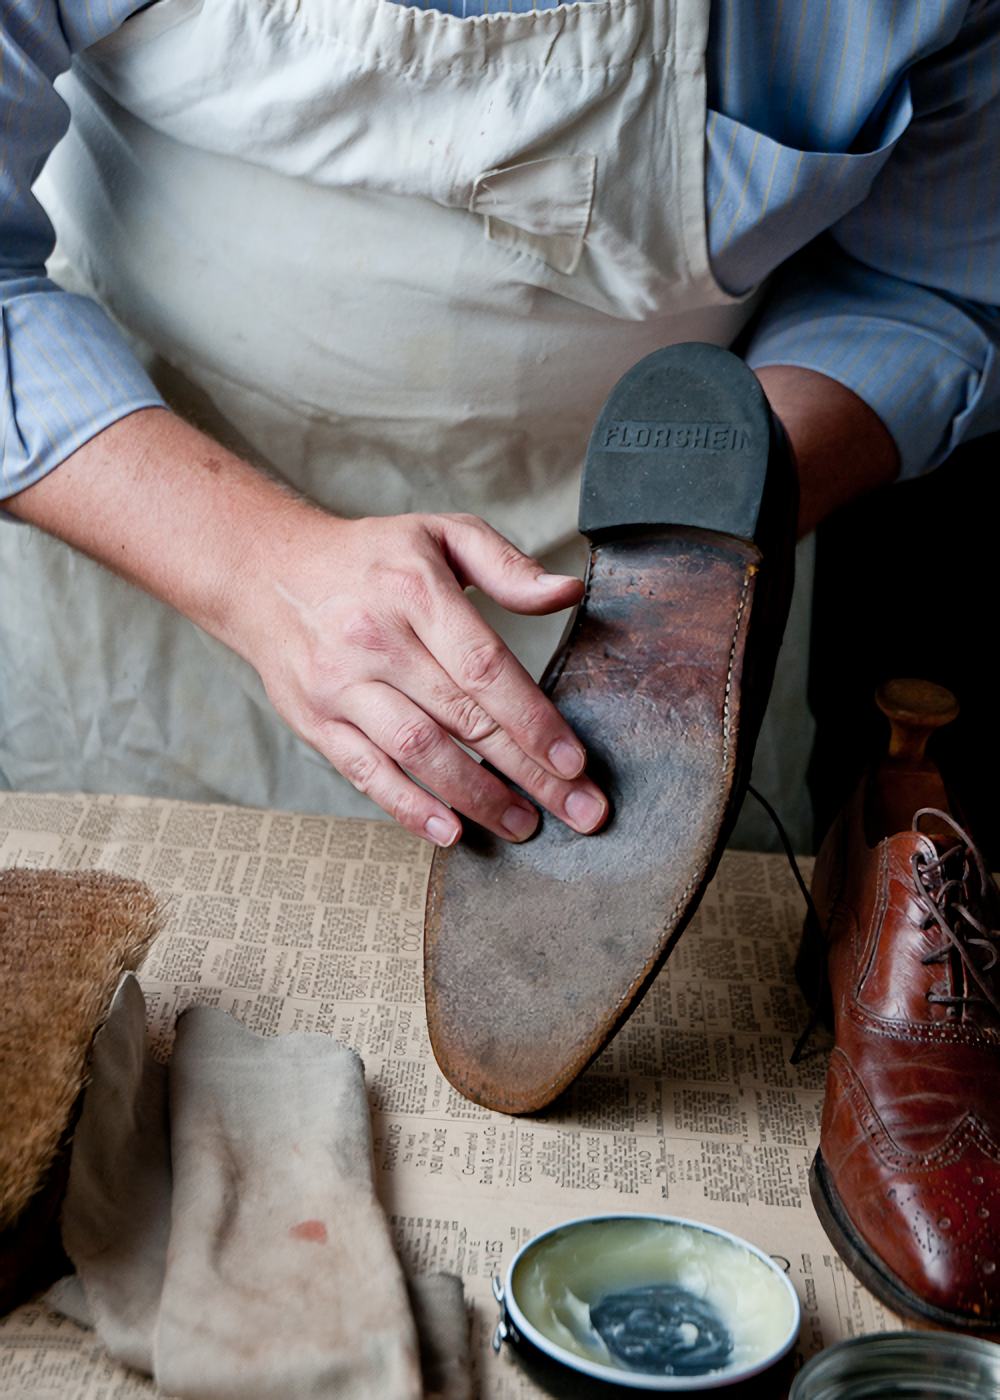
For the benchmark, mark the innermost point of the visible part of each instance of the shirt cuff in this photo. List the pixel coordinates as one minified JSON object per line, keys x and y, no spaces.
{"x":66,"y":374}
{"x":927,"y":363}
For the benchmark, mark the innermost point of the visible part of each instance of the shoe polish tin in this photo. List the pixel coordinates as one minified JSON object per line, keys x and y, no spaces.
{"x":644,"y":1302}
{"x":902,"y":1366}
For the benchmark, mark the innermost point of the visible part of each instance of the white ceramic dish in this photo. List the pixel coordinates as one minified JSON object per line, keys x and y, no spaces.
{"x":650,"y":1302}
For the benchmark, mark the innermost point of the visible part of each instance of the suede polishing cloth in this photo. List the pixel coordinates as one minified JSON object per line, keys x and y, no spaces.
{"x":64,"y":939}
{"x":222,"y":1218}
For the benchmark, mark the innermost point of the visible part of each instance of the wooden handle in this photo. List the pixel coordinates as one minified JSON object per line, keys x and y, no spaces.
{"x":914,"y":710}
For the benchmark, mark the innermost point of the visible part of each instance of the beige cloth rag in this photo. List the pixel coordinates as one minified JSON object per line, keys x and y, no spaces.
{"x":223,"y":1221}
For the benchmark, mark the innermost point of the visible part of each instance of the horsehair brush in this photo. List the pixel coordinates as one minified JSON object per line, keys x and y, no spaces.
{"x":65,"y":939}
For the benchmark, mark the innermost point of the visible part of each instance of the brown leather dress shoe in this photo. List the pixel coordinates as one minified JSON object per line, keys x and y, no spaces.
{"x":536,"y":953}
{"x":907,"y":1179}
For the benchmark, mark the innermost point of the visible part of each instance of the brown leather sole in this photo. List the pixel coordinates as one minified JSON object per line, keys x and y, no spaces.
{"x":870,"y":1270}
{"x":535,"y":953}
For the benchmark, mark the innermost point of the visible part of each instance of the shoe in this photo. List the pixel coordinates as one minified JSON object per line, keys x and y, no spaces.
{"x":906,"y":1181}
{"x":536,"y":953}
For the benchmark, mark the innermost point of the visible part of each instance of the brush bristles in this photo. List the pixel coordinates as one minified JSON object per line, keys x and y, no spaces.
{"x":65,"y":939}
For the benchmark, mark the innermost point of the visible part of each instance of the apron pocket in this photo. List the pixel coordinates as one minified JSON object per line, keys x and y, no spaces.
{"x":539,"y":207}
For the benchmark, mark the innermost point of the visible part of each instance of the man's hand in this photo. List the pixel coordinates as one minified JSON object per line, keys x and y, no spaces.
{"x":360,"y":630}
{"x":371,"y":651}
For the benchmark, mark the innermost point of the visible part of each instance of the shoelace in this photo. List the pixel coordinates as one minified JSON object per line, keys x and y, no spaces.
{"x":813,"y":929}
{"x":944,"y":888}
{"x":942,"y":909}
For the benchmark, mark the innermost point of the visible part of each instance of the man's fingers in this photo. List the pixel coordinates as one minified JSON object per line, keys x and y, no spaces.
{"x":479,"y":556}
{"x":580,"y":804}
{"x":572,"y":797}
{"x":399,"y":739}
{"x":372,"y":772}
{"x":492,"y":690}
{"x":399,"y":736}
{"x":483,"y":668}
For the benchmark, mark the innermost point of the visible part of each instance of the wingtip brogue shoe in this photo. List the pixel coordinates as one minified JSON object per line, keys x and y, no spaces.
{"x":907,"y":1178}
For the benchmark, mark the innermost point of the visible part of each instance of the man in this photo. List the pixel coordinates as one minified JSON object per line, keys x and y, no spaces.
{"x":359,"y":629}
{"x":400,"y":257}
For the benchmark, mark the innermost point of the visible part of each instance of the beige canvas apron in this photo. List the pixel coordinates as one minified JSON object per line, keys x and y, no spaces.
{"x":403,"y":256}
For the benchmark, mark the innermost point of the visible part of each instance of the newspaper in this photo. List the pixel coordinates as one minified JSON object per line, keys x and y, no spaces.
{"x":296,"y":922}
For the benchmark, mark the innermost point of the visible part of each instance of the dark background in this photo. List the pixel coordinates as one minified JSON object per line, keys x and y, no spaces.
{"x":906,"y":584}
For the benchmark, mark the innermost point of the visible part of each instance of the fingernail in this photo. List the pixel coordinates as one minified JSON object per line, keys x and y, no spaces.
{"x":441,"y":831}
{"x":584,"y":811}
{"x":519,"y":821}
{"x":567,"y":759}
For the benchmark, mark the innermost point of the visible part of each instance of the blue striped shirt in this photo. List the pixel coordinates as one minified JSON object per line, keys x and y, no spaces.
{"x":854,"y":145}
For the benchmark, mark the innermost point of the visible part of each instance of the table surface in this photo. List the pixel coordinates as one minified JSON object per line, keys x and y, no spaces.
{"x":311,"y":923}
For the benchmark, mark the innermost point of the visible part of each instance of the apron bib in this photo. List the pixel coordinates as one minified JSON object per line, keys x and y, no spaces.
{"x":404,"y":256}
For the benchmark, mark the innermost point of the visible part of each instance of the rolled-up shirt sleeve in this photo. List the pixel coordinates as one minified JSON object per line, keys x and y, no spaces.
{"x":65,"y":371}
{"x":926,"y":362}
{"x":898,"y":300}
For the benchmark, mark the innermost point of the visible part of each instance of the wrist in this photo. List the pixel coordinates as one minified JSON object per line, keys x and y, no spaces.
{"x":841,"y":447}
{"x":168,"y":509}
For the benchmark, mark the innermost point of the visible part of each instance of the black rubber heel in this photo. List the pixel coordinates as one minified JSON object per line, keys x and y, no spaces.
{"x":683,"y":439}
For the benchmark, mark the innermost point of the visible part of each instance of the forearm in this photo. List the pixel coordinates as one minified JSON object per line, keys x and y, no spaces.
{"x":926,"y":365}
{"x":842,"y":448}
{"x":359,"y":629}
{"x":172,"y":512}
